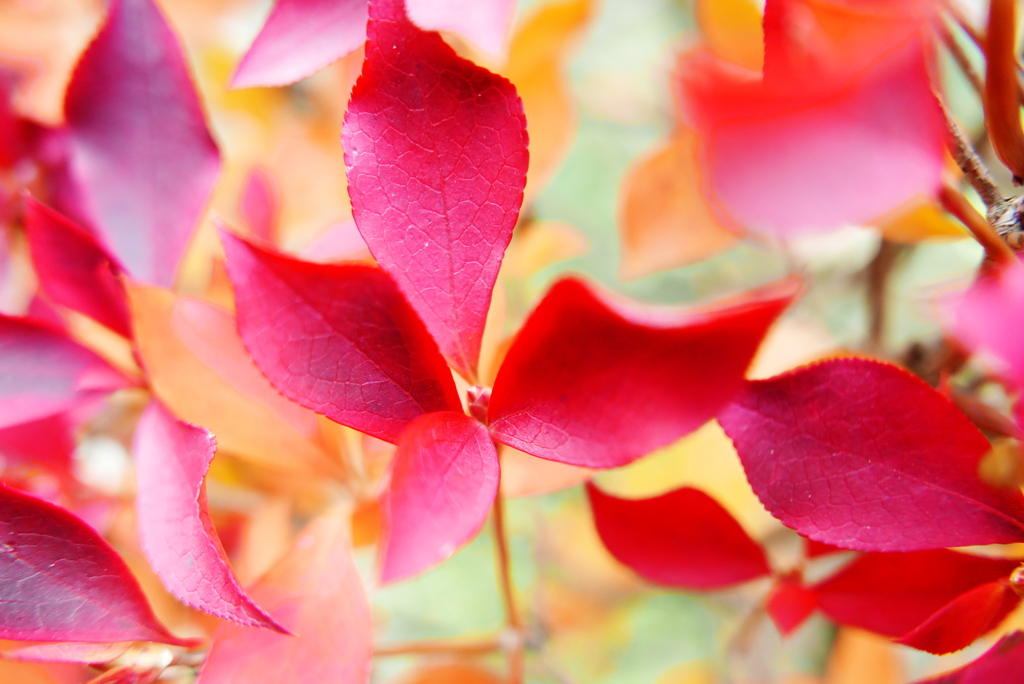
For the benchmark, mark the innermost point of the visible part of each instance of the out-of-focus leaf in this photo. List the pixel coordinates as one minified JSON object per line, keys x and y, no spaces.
{"x":60,"y":581}
{"x":436,"y":153}
{"x":732,"y":30}
{"x":315,"y":592}
{"x":64,"y":652}
{"x":860,"y":656}
{"x":43,"y":372}
{"x":917,"y":221}
{"x":524,"y":475}
{"x":450,"y":673}
{"x":537,"y":67}
{"x":340,"y":242}
{"x":49,"y":440}
{"x":74,"y":270}
{"x":338,"y":339}
{"x":171,"y":460}
{"x":484,"y":24}
{"x":1001,"y":663}
{"x":444,"y":478}
{"x":260,"y":205}
{"x":139,"y":143}
{"x":665,"y":221}
{"x":595,"y":381}
{"x":790,"y":603}
{"x":187,"y":344}
{"x":863,"y":455}
{"x":682,"y":539}
{"x":1002,"y":99}
{"x":299,"y":38}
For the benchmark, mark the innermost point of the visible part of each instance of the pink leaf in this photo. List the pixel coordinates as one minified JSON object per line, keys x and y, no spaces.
{"x":338,"y":339}
{"x":595,"y":381}
{"x":790,"y":603}
{"x":139,"y":142}
{"x":964,"y":619}
{"x":299,"y":38}
{"x":171,"y":460}
{"x":444,"y":478}
{"x":436,"y":154}
{"x":315,"y":591}
{"x":485,"y":23}
{"x":1002,"y":663}
{"x":60,"y":581}
{"x":683,"y":539}
{"x":74,"y":269}
{"x":863,"y":455}
{"x":893,"y":593}
{"x":43,"y":372}
{"x":260,"y":204}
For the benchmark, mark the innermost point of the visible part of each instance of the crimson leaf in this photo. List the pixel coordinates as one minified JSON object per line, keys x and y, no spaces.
{"x":139,"y":143}
{"x":683,"y":539}
{"x":594,"y":381}
{"x":338,"y":339}
{"x":1001,"y":663}
{"x":436,"y":153}
{"x":863,"y":455}
{"x":60,"y":581}
{"x":444,"y":478}
{"x":171,"y":460}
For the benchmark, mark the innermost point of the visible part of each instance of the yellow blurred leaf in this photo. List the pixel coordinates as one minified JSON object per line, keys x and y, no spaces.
{"x":219,"y":387}
{"x":859,"y":657}
{"x":540,"y":244}
{"x":919,"y":220}
{"x":690,"y":673}
{"x":536,"y":65}
{"x":664,"y":220}
{"x":732,"y":30}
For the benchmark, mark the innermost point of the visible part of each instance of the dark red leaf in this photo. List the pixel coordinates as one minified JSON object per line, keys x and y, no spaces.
{"x":1002,"y":663}
{"x":596,"y":381}
{"x":893,"y":593}
{"x":444,"y":478}
{"x":171,"y":460}
{"x":74,"y":270}
{"x":682,"y":539}
{"x":60,"y":581}
{"x":863,"y":455}
{"x":436,"y":154}
{"x":299,"y":38}
{"x":43,"y":372}
{"x":139,"y":143}
{"x":964,"y":619}
{"x":790,"y":603}
{"x":338,"y":339}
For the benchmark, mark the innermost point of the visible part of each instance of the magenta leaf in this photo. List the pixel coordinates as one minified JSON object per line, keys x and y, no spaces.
{"x":60,"y":581}
{"x":171,"y":460}
{"x":893,"y":594}
{"x":260,"y":204}
{"x":299,"y":38}
{"x":338,"y":339}
{"x":682,"y":539}
{"x":485,"y":23}
{"x":595,"y":381}
{"x":49,"y":441}
{"x":863,"y":455}
{"x":444,"y":478}
{"x":436,"y":154}
{"x":43,"y":372}
{"x":74,"y":270}
{"x":139,"y":143}
{"x":1002,"y":663}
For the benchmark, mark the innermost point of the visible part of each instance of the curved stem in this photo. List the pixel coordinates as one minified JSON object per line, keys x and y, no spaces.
{"x":517,"y":649}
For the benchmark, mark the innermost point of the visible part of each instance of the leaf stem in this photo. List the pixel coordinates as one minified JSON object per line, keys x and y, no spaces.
{"x":956,"y":204}
{"x":970,"y":163}
{"x":516,"y":648}
{"x":464,"y":647}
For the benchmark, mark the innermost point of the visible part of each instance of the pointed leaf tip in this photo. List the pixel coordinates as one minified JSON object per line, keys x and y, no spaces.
{"x":436,"y":151}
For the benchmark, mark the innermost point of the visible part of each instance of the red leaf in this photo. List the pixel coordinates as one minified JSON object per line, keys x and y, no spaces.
{"x":43,"y":372}
{"x":60,"y":581}
{"x":594,"y":381}
{"x":484,"y":23}
{"x":338,"y":339}
{"x":260,"y":204}
{"x":444,"y":478}
{"x":299,"y":38}
{"x":49,"y":440}
{"x":315,"y":591}
{"x":1002,"y":663}
{"x":893,"y":593}
{"x":74,"y":269}
{"x":790,"y":603}
{"x":966,"y":618}
{"x":139,"y":142}
{"x":171,"y":460}
{"x":863,"y":455}
{"x":436,"y":153}
{"x":682,"y":539}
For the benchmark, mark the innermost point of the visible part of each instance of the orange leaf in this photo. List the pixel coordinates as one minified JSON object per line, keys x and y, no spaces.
{"x":451,"y":673}
{"x":919,"y":220}
{"x":524,"y":475}
{"x":1002,"y":104}
{"x":732,"y":30}
{"x":665,"y":220}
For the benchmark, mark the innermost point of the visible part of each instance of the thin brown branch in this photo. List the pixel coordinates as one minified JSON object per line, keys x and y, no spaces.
{"x":956,"y":204}
{"x":516,"y":650}
{"x":877,"y":274}
{"x":956,"y":51}
{"x":463,"y":647}
{"x":975,"y":171}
